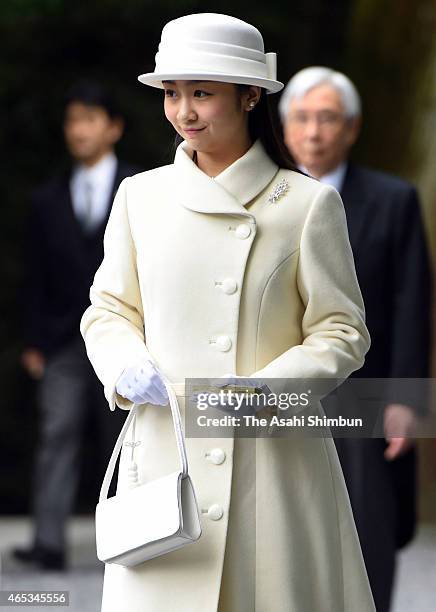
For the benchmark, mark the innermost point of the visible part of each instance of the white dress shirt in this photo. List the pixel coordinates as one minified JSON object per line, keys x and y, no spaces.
{"x":335,"y":178}
{"x":92,"y":186}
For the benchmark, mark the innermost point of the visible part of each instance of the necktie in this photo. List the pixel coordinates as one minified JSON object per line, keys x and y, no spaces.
{"x":87,"y":210}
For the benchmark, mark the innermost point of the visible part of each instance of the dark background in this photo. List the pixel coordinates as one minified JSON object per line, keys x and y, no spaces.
{"x":383,"y":46}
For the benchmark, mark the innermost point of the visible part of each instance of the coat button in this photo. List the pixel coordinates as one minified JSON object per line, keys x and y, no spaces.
{"x":243,"y":231}
{"x":216,"y":456}
{"x":228,"y":285}
{"x":223,"y":343}
{"x":215,"y":512}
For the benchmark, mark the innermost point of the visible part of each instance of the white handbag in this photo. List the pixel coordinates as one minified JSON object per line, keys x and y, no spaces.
{"x":150,"y":519}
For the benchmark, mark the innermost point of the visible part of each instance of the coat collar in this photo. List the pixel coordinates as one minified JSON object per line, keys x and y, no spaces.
{"x":231,"y":189}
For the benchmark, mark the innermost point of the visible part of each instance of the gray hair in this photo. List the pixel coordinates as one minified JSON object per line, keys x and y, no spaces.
{"x":308,"y":78}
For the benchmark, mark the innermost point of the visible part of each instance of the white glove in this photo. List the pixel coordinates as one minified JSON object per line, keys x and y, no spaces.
{"x":260,"y":407}
{"x":142,"y":384}
{"x":243,"y":381}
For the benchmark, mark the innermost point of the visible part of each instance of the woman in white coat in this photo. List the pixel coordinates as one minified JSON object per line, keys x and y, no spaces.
{"x":206,"y":273}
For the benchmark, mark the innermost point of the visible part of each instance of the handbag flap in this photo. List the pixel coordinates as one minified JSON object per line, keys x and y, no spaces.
{"x":138,"y":516}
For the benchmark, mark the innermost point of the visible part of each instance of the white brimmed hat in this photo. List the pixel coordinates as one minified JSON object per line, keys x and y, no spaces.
{"x":213,"y":47}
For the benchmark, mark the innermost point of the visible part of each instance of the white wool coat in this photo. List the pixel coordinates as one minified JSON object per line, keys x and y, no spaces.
{"x":205,"y":276}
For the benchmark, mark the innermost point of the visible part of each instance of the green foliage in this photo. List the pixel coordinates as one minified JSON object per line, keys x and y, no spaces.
{"x":13,"y":10}
{"x":387,"y":54}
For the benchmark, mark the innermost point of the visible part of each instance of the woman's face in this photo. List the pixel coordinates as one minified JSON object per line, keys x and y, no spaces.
{"x":211,"y":116}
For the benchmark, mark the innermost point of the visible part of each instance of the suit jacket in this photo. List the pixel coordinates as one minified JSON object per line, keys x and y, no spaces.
{"x":392,"y":264}
{"x":61,"y":261}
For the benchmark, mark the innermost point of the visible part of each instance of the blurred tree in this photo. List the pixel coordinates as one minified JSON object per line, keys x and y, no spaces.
{"x":391,"y":55}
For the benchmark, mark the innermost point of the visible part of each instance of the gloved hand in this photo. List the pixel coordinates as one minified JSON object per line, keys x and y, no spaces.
{"x":260,"y":406}
{"x":240,"y":385}
{"x":142,"y":384}
{"x":243,"y":381}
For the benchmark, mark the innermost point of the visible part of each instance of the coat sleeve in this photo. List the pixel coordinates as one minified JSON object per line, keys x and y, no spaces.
{"x":113,"y":325}
{"x":335,"y":337}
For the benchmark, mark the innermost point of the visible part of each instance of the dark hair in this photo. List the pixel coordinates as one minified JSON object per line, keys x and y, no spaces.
{"x":263,"y":125}
{"x":93,"y":93}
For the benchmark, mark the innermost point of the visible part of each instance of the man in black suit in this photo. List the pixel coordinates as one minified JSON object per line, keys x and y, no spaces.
{"x":320,"y":111}
{"x":66,"y":225}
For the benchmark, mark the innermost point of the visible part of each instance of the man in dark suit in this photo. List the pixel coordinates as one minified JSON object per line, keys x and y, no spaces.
{"x":64,"y":249}
{"x":320,"y":111}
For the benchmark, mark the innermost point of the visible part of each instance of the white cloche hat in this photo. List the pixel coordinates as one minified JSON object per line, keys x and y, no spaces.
{"x":213,"y":47}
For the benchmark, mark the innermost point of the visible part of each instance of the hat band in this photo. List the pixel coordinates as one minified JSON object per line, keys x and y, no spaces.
{"x":183,"y":62}
{"x":210,"y":46}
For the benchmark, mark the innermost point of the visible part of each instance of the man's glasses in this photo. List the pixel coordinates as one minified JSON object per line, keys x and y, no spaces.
{"x":325,"y":119}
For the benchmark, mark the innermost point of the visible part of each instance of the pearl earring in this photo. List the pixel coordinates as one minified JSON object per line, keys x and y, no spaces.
{"x":252,"y":105}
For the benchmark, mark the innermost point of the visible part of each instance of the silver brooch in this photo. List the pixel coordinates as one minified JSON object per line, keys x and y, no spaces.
{"x":133,"y":443}
{"x":278,"y":191}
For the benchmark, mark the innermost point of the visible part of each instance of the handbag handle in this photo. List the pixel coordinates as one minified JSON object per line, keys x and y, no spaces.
{"x":177,"y":422}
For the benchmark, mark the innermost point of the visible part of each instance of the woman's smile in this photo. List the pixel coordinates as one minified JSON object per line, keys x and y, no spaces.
{"x":192,"y":131}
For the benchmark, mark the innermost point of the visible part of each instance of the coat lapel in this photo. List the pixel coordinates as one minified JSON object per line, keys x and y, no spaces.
{"x":228,"y":192}
{"x":67,"y":205}
{"x":356,"y":212}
